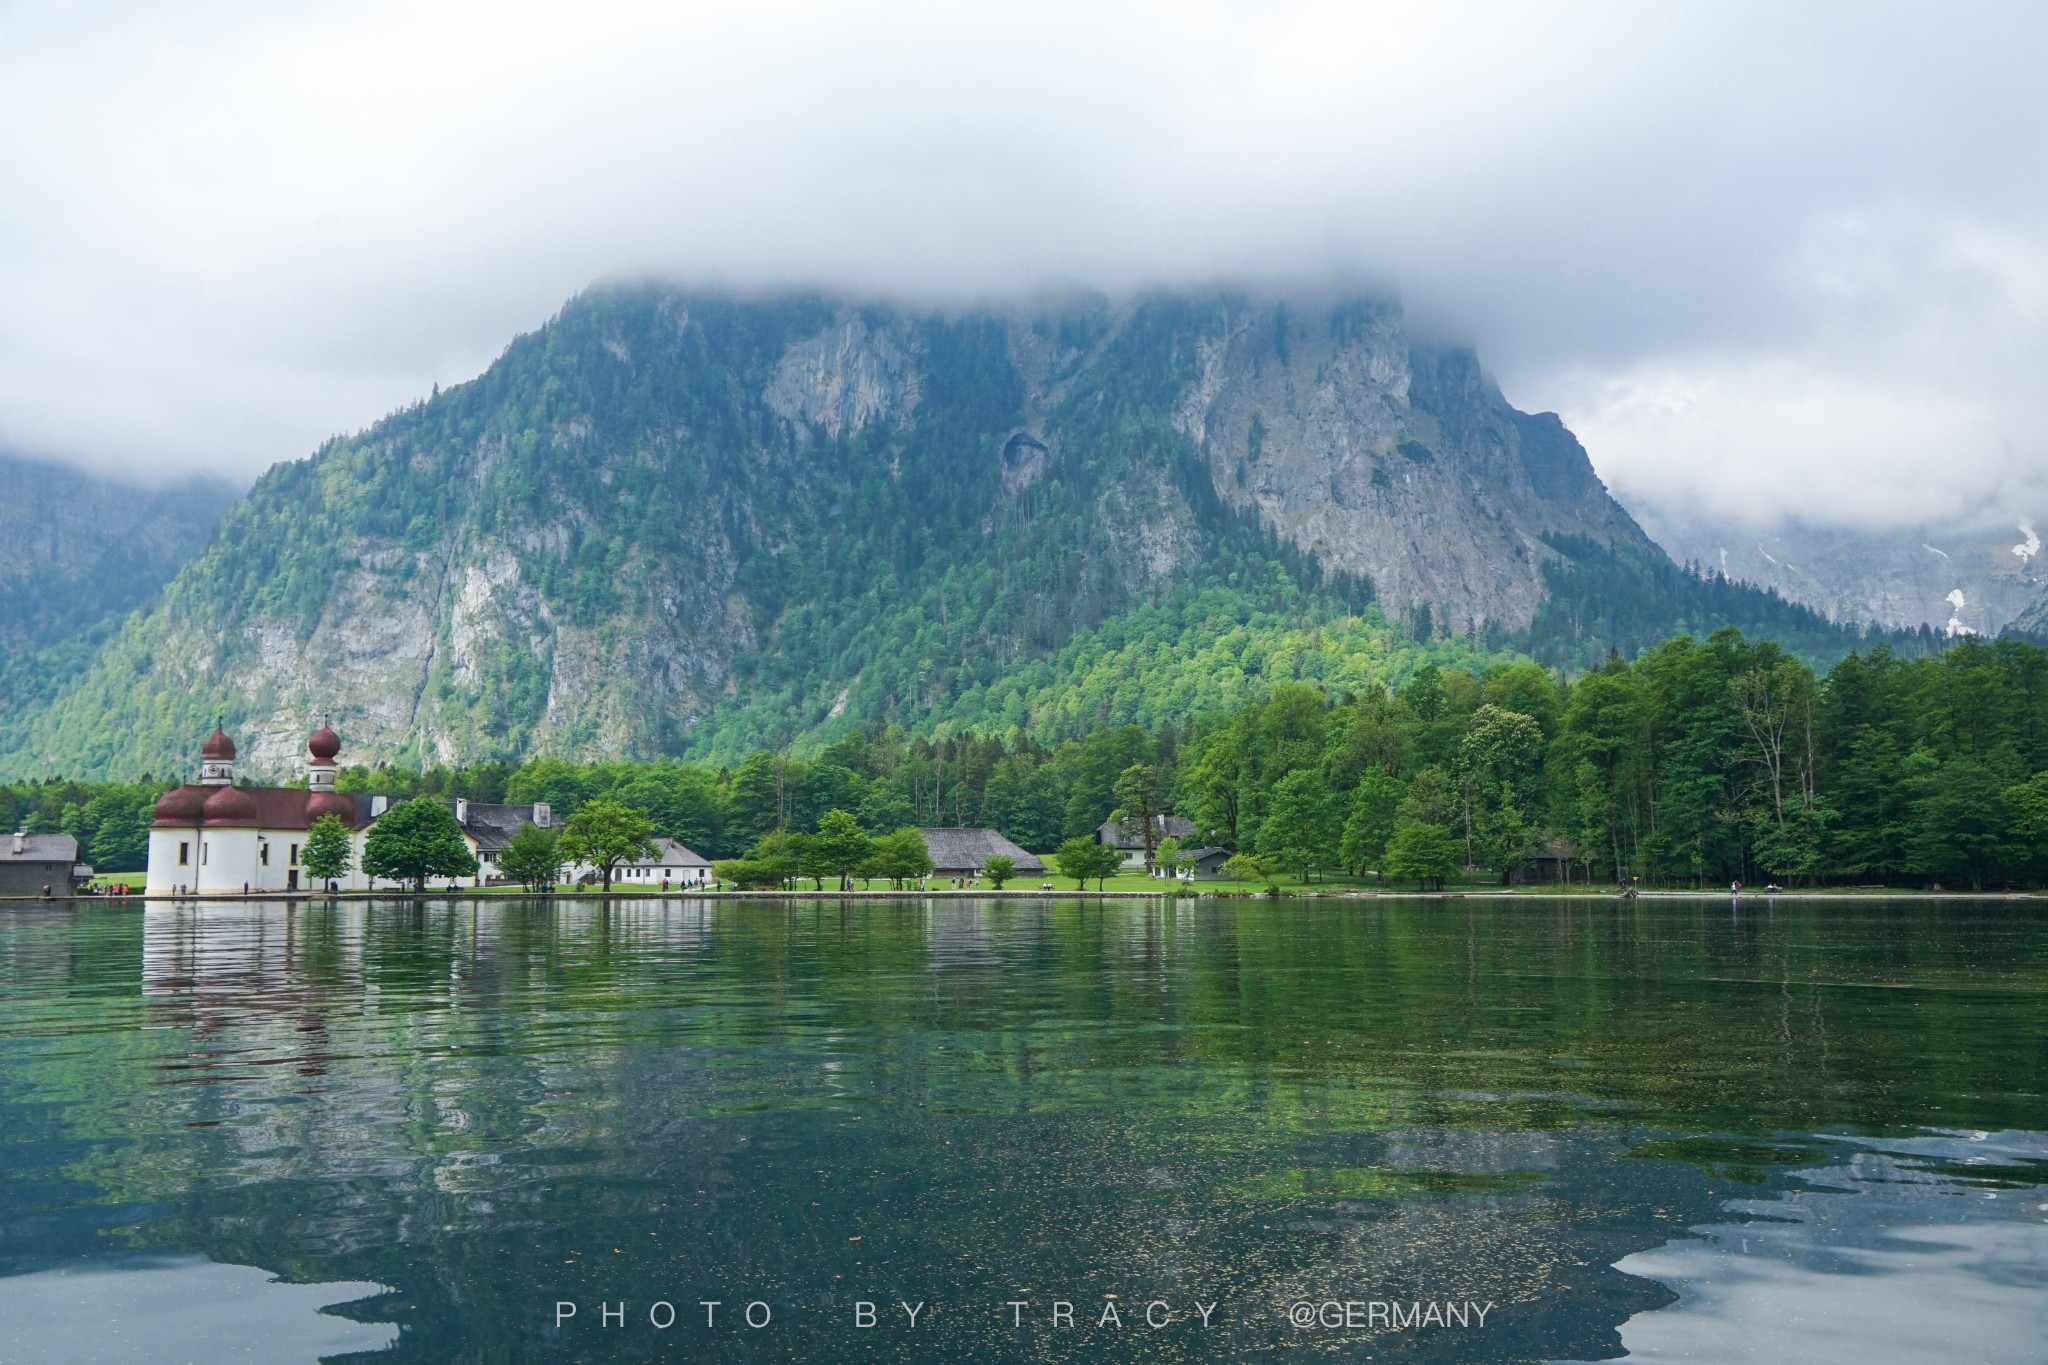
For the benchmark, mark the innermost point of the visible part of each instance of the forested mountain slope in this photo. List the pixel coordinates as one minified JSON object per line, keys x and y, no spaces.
{"x":672,"y":523}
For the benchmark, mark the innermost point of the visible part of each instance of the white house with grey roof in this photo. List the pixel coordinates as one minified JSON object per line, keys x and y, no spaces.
{"x":671,"y":865}
{"x":488,"y":827}
{"x":1131,"y":842}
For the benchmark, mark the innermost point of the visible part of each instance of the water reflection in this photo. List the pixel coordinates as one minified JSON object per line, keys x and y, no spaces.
{"x":1903,"y":1251}
{"x":172,"y":1310}
{"x":494,"y":1107}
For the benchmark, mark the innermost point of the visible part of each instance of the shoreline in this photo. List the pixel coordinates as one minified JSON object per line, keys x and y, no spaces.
{"x":956,"y":894}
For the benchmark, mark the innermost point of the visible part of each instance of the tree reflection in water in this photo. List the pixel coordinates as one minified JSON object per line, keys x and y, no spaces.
{"x":493,"y":1106}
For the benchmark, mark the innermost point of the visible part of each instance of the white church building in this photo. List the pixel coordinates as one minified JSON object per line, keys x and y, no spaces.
{"x":216,"y":838}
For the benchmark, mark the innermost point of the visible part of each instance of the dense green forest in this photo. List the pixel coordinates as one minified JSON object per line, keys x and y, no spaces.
{"x":1700,"y":762}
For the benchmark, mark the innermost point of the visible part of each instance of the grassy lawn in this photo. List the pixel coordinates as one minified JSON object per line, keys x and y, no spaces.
{"x":1132,"y":881}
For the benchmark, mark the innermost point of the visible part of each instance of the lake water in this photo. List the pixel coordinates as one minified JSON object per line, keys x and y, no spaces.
{"x":1064,"y":1130}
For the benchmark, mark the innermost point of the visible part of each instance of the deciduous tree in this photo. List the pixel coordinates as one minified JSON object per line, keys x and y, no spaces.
{"x":901,"y":857}
{"x":1427,"y":853}
{"x":532,"y":857}
{"x":1137,"y":794}
{"x":1240,"y":867}
{"x":415,"y":841}
{"x":606,"y":833}
{"x":841,"y":846}
{"x":329,"y":850}
{"x":1084,"y":858}
{"x":1301,"y":826}
{"x":1370,"y":822}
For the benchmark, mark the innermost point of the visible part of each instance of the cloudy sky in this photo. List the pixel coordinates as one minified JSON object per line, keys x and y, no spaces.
{"x":1762,"y":258}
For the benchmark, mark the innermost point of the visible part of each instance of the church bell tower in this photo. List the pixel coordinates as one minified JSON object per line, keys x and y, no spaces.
{"x":217,"y":760}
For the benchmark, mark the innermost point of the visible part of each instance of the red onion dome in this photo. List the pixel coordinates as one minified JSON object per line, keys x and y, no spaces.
{"x":324,"y":745}
{"x":230,"y":806}
{"x":218,"y":747}
{"x":331,"y":803}
{"x":181,"y":806}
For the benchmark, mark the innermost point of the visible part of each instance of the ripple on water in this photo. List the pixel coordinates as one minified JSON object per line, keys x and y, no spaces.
{"x":1907,"y":1251}
{"x":144,"y":1309}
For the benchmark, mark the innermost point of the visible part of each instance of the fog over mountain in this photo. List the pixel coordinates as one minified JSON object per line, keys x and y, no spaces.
{"x":1766,"y":263}
{"x":79,"y":553}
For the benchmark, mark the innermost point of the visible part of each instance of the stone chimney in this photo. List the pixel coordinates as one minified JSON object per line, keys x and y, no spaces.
{"x":543,"y":814}
{"x":461,"y":810}
{"x":20,"y":842}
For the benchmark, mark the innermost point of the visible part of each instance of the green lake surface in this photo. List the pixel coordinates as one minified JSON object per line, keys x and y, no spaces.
{"x":1393,"y":1130}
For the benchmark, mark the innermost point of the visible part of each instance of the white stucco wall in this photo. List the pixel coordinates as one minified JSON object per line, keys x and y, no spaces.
{"x":165,"y":875}
{"x":220,"y":861}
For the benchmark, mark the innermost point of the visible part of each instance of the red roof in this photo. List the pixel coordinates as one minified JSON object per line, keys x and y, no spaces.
{"x":231,"y":806}
{"x":218,"y":746}
{"x":330,"y":803}
{"x":181,"y":806}
{"x":324,"y":744}
{"x":252,"y":808}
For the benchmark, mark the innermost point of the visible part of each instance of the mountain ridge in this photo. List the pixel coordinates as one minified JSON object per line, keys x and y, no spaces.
{"x":669,"y":522}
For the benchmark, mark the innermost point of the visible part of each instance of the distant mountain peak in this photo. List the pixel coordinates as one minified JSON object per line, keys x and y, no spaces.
{"x":1898,"y":577}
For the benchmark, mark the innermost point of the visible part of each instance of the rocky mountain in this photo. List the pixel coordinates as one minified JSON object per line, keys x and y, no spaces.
{"x":1976,"y":575}
{"x":77,"y":554}
{"x":76,"y":549}
{"x":671,"y":522}
{"x":1402,"y":465}
{"x":2034,"y":620}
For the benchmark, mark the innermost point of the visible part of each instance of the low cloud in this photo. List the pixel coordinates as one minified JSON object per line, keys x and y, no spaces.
{"x":1763,"y":260}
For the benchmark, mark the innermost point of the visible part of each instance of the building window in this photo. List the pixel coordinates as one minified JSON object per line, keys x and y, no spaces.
{"x":202,"y":852}
{"x":184,"y":853}
{"x":263,"y":854}
{"x":295,"y":855}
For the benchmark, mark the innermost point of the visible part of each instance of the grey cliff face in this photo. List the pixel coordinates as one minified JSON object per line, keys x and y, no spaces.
{"x":414,"y":649}
{"x":1399,"y":462}
{"x":2034,"y":620}
{"x":1976,"y":576}
{"x":843,"y":378}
